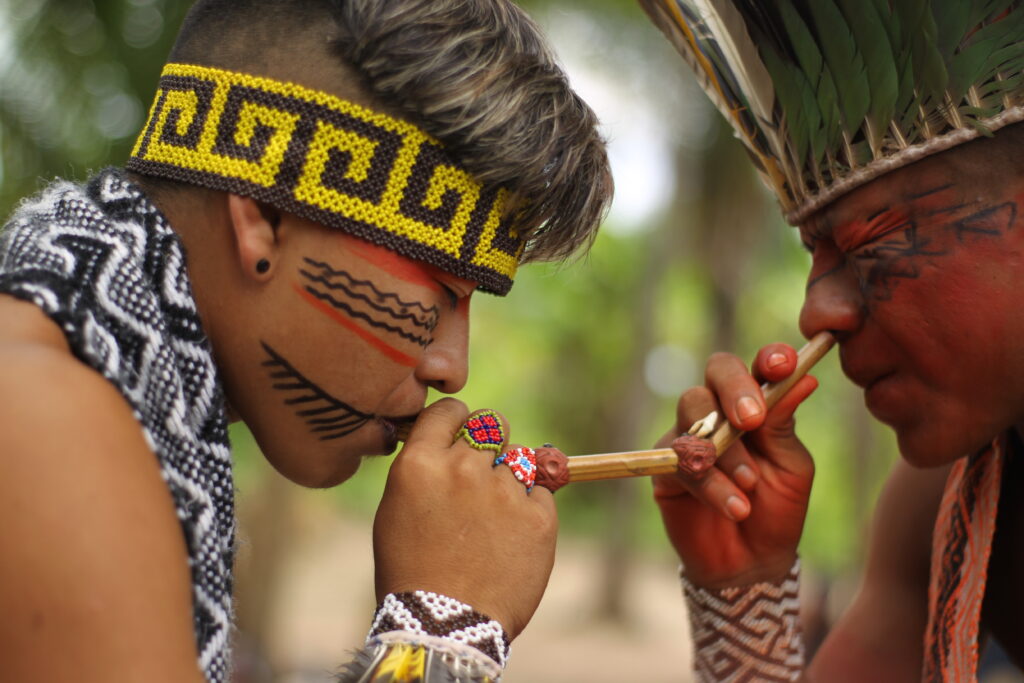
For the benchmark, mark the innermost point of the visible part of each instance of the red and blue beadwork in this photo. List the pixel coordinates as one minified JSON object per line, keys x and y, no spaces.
{"x":522,"y":462}
{"x":484,"y":430}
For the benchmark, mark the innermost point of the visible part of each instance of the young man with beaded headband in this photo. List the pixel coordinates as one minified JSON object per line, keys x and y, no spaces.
{"x":886,"y":130}
{"x":319,"y":188}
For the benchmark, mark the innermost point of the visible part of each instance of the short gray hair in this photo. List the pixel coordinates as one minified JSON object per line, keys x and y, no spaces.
{"x":479,"y":76}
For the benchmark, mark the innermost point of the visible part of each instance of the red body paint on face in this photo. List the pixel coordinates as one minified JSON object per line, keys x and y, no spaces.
{"x":922,"y":293}
{"x":856,"y":234}
{"x":379,"y":344}
{"x":413,"y":272}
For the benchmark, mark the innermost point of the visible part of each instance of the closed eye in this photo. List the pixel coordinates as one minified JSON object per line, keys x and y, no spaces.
{"x":453,"y":296}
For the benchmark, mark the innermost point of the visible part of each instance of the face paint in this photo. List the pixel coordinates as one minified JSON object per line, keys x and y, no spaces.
{"x":893,"y":245}
{"x":346,"y":300}
{"x":327,"y":416}
{"x":405,"y":269}
{"x":920,"y":286}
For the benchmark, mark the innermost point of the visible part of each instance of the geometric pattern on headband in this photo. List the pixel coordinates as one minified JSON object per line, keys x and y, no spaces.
{"x":329,"y":160}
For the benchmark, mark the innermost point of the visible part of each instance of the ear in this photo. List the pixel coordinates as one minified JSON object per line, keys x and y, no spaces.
{"x":255,"y":229}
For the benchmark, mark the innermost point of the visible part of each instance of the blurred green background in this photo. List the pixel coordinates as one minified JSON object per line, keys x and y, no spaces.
{"x":590,"y":356}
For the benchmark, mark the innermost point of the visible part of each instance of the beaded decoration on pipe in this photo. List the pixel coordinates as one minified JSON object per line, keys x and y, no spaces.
{"x":331,"y":161}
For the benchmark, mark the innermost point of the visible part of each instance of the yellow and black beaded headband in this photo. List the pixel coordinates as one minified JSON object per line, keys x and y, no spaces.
{"x":331,"y":161}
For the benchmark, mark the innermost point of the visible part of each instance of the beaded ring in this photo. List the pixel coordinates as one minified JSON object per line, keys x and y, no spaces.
{"x":484,"y":430}
{"x":523,"y":463}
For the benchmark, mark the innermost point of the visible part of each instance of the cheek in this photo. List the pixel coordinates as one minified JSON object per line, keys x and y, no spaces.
{"x":379,"y":324}
{"x":955,"y":322}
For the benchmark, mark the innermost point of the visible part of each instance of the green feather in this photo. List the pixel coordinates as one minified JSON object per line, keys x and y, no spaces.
{"x":890,"y":21}
{"x":986,"y":52}
{"x":982,"y":10}
{"x":872,"y":38}
{"x":819,"y":79}
{"x":787,"y":80}
{"x":921,"y":34}
{"x":845,"y":63}
{"x":951,"y":17}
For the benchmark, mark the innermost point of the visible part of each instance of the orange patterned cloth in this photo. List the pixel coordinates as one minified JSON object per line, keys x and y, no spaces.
{"x":961,"y":546}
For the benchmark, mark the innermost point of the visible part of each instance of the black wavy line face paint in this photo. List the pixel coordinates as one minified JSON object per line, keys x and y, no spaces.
{"x":382,"y":318}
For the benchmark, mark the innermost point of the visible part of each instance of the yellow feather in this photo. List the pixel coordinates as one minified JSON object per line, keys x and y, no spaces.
{"x":403,"y":663}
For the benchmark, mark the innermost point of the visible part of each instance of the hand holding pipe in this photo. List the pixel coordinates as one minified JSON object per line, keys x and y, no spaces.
{"x":666,"y":460}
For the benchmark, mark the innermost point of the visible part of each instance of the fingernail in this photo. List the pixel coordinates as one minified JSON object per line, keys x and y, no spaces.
{"x":745,"y":477}
{"x":776,"y":359}
{"x":747,"y":408}
{"x":736,"y":508}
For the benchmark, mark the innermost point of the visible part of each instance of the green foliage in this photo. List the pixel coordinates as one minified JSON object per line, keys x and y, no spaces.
{"x":76,"y":79}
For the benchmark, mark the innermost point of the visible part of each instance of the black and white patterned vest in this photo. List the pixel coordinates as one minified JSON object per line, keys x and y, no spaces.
{"x":103,"y":263}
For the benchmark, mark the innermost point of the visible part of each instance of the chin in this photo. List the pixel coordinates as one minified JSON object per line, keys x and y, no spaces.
{"x":312,"y":463}
{"x":924,"y":448}
{"x":324,"y":475}
{"x":315,"y":470}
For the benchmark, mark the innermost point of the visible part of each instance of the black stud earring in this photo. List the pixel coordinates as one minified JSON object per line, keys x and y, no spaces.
{"x":262,"y":266}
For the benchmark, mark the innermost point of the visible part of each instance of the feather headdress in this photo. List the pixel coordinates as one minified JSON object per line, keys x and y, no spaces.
{"x":829,"y":94}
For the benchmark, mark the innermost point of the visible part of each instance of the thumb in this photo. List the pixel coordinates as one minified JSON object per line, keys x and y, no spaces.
{"x":437,"y":424}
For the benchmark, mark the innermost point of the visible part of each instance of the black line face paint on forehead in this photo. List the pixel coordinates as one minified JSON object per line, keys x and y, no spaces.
{"x":899,"y":254}
{"x":328,"y":417}
{"x":411,"y":321}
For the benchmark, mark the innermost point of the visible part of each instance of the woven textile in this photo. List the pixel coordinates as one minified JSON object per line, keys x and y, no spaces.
{"x":961,"y":547}
{"x":747,"y":634}
{"x":102,"y":262}
{"x":331,"y":161}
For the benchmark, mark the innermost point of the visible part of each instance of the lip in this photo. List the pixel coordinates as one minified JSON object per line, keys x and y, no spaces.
{"x":873,"y":380}
{"x":862,"y":373}
{"x":882,"y":399}
{"x":396,"y":427}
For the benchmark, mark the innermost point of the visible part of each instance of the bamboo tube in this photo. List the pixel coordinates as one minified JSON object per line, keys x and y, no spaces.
{"x":664,"y":460}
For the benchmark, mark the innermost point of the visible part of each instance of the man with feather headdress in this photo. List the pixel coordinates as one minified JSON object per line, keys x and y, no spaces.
{"x":886,"y":130}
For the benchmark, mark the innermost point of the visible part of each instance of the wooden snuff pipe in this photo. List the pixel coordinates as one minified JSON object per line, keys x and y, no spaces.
{"x":664,"y":460}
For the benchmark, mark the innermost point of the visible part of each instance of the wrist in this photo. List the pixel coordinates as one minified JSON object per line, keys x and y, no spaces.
{"x":747,"y":633}
{"x":773,"y":570}
{"x":440,"y":622}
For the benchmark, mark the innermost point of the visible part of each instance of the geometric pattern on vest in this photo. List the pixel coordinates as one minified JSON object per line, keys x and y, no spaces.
{"x":102,"y":262}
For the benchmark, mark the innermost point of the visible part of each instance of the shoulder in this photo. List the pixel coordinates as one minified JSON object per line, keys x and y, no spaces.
{"x":88,"y":530}
{"x":42,"y":383}
{"x":880,"y":636}
{"x":901,"y":535}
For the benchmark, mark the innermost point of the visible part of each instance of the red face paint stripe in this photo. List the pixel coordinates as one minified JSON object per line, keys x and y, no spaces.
{"x":385,"y":348}
{"x":393,"y":263}
{"x":857,"y":233}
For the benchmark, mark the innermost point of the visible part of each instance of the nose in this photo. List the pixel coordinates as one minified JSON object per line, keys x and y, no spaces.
{"x":444,"y":365}
{"x":832,"y":302}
